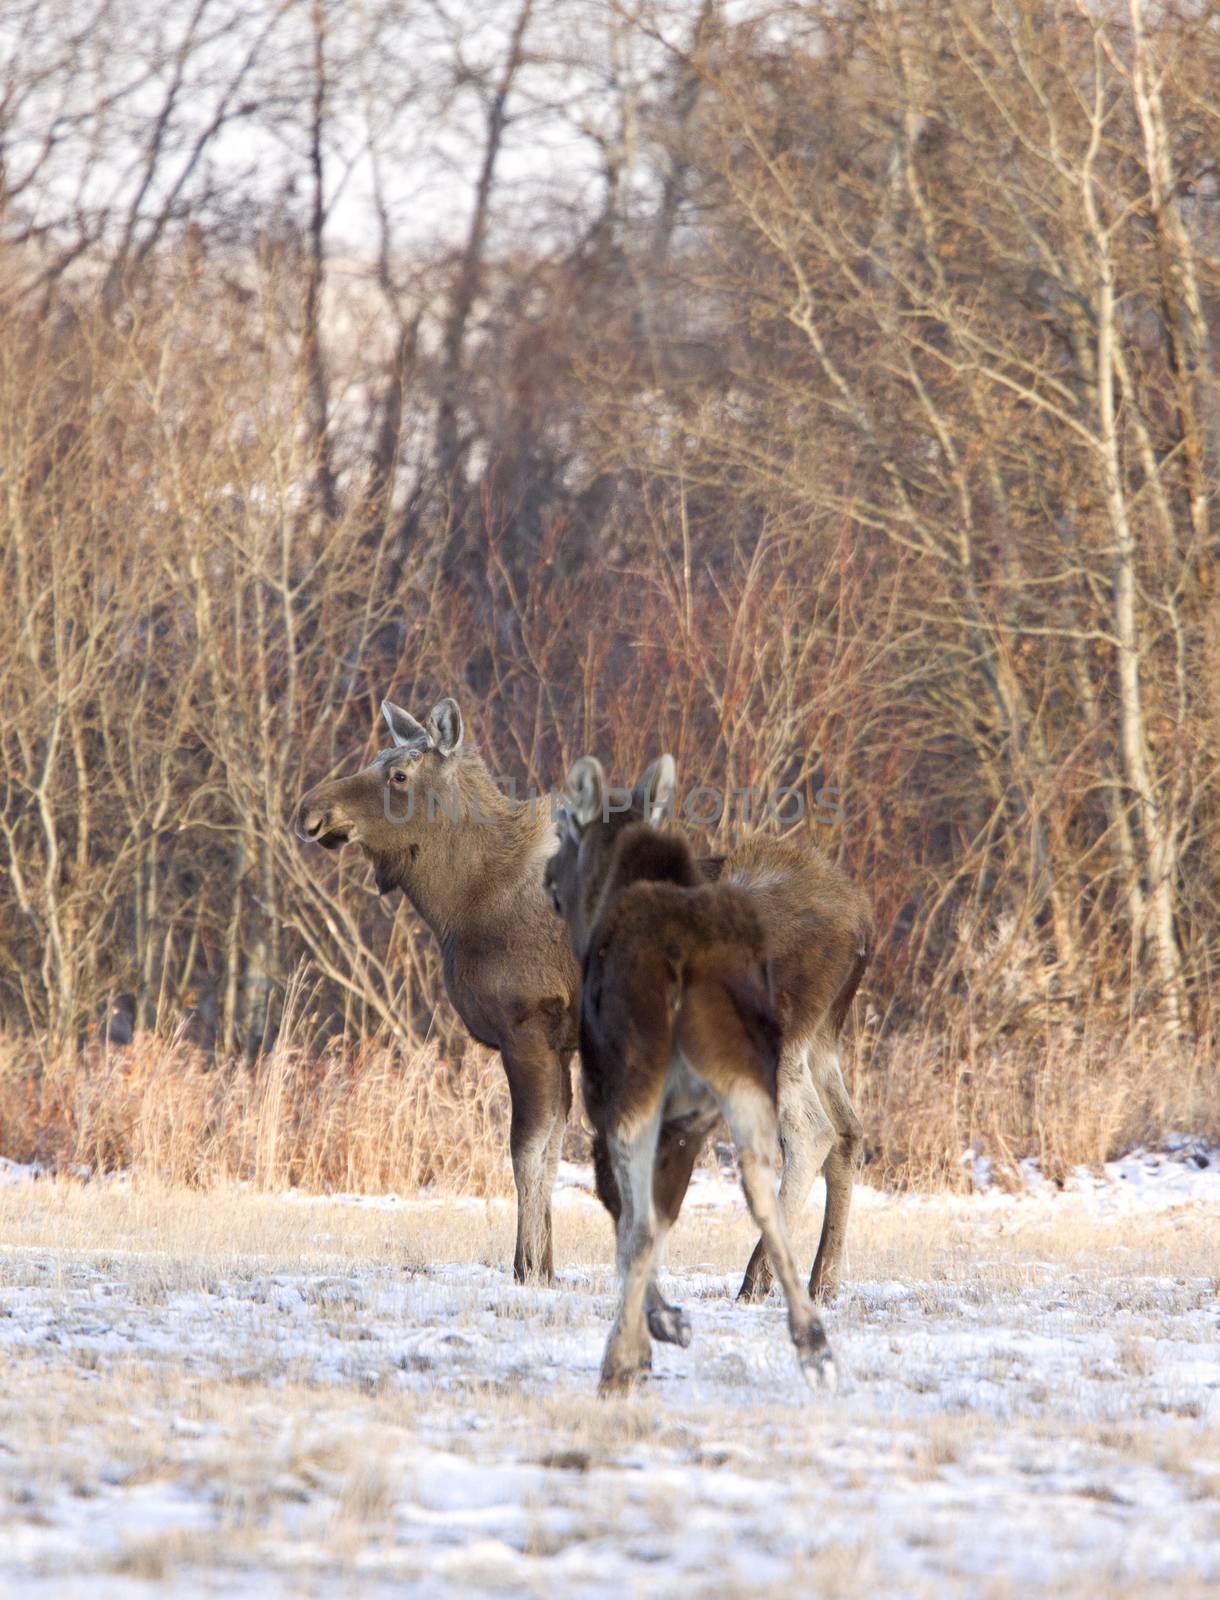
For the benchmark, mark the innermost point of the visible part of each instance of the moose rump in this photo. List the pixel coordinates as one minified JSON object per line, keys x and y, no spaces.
{"x":675,"y":1010}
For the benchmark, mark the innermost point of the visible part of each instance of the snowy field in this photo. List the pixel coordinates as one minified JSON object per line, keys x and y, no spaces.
{"x":231,"y":1394}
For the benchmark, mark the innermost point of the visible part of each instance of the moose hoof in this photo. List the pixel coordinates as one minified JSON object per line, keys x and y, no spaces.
{"x":754,"y":1289}
{"x":670,"y":1324}
{"x":533,"y":1277}
{"x":821,"y":1374}
{"x":817,"y":1363}
{"x":622,"y":1380}
{"x":823,"y":1290}
{"x":625,"y":1365}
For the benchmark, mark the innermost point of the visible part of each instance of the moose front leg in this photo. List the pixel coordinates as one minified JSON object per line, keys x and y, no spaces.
{"x":539,"y":1088}
{"x":678,"y":1148}
{"x":554,"y":1146}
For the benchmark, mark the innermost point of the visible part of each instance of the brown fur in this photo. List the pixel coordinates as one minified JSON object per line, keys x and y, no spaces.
{"x":470,"y":861}
{"x":678,"y":1024}
{"x":657,"y":947}
{"x":819,"y":936}
{"x":511,"y":976}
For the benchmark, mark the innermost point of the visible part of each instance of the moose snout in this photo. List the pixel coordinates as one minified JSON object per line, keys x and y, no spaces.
{"x":310,"y":821}
{"x":317,"y":823}
{"x":323,"y":817}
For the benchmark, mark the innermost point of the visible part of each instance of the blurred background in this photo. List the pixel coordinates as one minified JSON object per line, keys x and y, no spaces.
{"x":823,"y":392}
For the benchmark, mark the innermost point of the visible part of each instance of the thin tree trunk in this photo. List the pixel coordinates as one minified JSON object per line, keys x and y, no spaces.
{"x":317,"y":398}
{"x":1156,"y":828}
{"x":470,"y":264}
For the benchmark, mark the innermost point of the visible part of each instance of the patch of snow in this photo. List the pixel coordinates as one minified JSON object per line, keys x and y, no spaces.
{"x":388,"y":1433}
{"x":1188,"y":1169}
{"x":12,"y":1172}
{"x":978,"y":1169}
{"x":1032,"y":1177}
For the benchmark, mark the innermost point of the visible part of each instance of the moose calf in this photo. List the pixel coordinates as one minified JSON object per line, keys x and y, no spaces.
{"x":677,"y":1025}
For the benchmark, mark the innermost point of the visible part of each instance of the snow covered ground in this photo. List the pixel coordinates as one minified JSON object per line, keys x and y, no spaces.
{"x":232,"y":1394}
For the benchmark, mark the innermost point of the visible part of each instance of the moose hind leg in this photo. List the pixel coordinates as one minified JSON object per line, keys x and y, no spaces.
{"x":751,"y":1120}
{"x":667,"y":1323}
{"x":536,"y":1092}
{"x":628,"y":1349}
{"x":806,"y":1137}
{"x":841,"y":1163}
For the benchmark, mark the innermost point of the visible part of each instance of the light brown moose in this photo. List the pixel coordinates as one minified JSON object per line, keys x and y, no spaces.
{"x":434,"y":823}
{"x":678,"y":1026}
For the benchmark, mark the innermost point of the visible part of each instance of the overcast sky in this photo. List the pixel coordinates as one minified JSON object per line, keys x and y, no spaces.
{"x":86,"y":83}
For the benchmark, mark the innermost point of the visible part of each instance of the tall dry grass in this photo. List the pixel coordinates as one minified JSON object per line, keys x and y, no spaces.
{"x":369,"y":1121}
{"x":1073,"y":1097}
{"x":381,"y":1120}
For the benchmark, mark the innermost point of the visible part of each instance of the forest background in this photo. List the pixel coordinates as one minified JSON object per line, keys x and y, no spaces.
{"x":823,"y":392}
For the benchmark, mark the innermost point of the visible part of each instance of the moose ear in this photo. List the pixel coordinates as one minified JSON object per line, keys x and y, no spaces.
{"x":444,"y":726}
{"x":653,"y":795}
{"x":586,"y":789}
{"x":403,"y":727}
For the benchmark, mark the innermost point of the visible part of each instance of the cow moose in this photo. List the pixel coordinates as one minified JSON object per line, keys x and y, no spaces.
{"x":434,"y":823}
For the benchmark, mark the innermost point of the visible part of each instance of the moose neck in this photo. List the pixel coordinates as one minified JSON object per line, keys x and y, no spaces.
{"x":457,"y":864}
{"x":634,"y":854}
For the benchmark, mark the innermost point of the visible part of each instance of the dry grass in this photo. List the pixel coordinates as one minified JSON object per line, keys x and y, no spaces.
{"x":386,"y":1120}
{"x":1069,"y":1097}
{"x":939,"y":1240}
{"x":376,"y":1121}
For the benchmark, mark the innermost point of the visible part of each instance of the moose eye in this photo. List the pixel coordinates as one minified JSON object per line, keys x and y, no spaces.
{"x":398,"y":776}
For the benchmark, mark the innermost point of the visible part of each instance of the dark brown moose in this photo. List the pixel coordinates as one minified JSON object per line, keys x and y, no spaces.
{"x":819,"y":932}
{"x":678,"y":1026}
